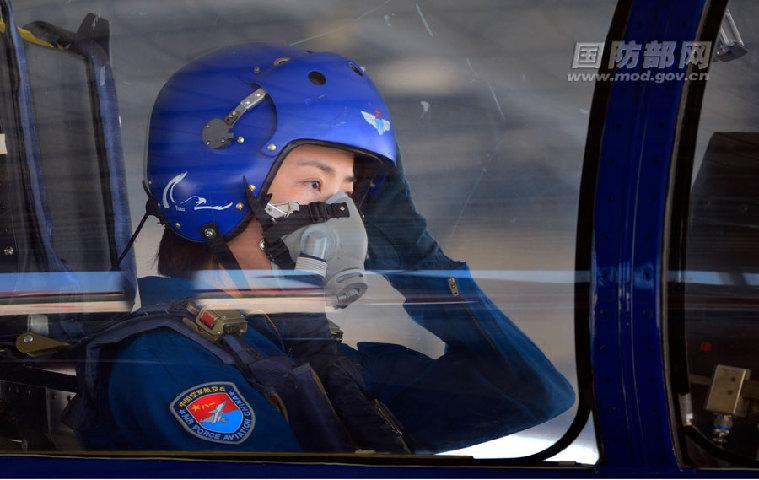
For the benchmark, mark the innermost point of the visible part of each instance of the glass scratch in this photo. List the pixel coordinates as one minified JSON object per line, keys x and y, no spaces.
{"x":495,"y":99}
{"x":424,"y":20}
{"x":368,"y":12}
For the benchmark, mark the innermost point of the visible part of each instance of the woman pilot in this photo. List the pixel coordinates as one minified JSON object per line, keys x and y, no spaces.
{"x":257,"y":156}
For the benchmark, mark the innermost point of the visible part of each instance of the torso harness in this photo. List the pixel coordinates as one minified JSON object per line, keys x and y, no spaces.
{"x":327,"y":407}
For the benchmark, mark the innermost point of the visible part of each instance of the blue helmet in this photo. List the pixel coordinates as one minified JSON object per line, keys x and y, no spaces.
{"x":222,"y":124}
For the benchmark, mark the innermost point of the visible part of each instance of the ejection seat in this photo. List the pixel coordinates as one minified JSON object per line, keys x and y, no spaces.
{"x":65,"y":215}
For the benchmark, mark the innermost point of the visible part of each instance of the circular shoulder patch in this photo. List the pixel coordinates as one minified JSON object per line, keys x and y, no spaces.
{"x":216,"y":412}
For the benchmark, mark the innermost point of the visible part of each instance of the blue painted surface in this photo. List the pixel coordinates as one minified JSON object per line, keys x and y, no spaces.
{"x":632,"y":404}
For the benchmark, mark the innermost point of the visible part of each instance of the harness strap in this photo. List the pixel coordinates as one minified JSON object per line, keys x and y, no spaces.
{"x":312,"y":342}
{"x":371,"y":424}
{"x":310,"y":413}
{"x":296,"y":391}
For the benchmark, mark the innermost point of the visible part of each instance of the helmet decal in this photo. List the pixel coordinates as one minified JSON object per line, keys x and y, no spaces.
{"x":375,"y":121}
{"x":168,"y":191}
{"x":200,"y":203}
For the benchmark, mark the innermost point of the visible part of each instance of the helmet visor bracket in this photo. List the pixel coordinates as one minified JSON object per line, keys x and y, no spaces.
{"x":217,"y":133}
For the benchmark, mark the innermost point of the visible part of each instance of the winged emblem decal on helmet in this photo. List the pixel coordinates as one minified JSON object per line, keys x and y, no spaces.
{"x":375,"y":121}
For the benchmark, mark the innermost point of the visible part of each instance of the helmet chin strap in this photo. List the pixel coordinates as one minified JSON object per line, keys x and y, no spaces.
{"x":219,"y":247}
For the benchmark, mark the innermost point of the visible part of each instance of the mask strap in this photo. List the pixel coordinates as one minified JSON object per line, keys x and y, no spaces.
{"x":275,"y":228}
{"x":224,"y":255}
{"x":314,"y":212}
{"x":219,"y":247}
{"x":276,"y":250}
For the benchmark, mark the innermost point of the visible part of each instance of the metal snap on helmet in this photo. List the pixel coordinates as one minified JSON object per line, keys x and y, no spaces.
{"x":222,"y":124}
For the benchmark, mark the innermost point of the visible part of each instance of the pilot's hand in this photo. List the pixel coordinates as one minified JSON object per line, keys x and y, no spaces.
{"x":398,"y":236}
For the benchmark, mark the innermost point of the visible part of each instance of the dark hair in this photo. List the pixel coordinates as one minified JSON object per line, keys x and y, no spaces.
{"x":179,"y":257}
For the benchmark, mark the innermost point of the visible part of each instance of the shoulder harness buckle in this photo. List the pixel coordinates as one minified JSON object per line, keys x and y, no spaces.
{"x":212,"y":324}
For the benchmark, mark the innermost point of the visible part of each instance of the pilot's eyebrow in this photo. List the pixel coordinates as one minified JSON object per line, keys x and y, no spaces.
{"x":328,"y":169}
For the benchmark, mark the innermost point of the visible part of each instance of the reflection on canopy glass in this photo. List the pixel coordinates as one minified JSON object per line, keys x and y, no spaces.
{"x":714,"y":289}
{"x":358,"y":235}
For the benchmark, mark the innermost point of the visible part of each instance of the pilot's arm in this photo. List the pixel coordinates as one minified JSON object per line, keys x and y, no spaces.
{"x":492,"y":380}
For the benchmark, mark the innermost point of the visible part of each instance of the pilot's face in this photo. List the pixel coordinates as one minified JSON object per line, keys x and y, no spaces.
{"x":309,"y":173}
{"x":312,"y":173}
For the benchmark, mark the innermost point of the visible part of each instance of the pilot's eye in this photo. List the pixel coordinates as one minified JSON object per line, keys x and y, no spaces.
{"x":314,"y":184}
